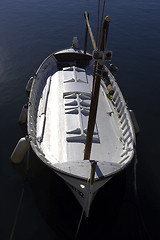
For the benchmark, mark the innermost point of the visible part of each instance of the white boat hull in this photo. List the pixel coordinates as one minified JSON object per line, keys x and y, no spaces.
{"x":58,"y":112}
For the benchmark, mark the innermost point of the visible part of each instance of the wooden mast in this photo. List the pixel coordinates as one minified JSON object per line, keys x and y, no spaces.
{"x":86,"y":35}
{"x":96,"y":87}
{"x":93,"y":170}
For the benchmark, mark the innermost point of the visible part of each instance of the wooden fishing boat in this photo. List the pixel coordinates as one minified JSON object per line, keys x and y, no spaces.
{"x":78,"y":122}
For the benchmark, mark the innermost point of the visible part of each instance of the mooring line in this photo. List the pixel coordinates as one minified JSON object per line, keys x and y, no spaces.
{"x":79,"y":224}
{"x":16,"y":216}
{"x":83,"y":209}
{"x":137,"y":198}
{"x":21,"y":199}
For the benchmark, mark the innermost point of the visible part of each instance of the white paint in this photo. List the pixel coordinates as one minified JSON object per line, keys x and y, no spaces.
{"x":59,"y":113}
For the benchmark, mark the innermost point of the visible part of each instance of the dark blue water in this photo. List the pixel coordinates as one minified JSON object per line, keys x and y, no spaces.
{"x":29,"y":31}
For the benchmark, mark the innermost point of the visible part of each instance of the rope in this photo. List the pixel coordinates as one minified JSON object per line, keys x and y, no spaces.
{"x":99,"y":42}
{"x":98,"y":23}
{"x":81,"y":217}
{"x":79,"y":224}
{"x":17,"y":214}
{"x":137,"y":199}
{"x":20,"y":200}
{"x":94,"y":77}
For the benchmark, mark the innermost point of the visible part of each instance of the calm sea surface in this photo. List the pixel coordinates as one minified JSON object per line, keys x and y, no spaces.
{"x":29,"y":31}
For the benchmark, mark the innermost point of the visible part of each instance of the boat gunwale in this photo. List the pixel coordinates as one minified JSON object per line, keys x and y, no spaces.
{"x":42,"y":157}
{"x":128,"y":114}
{"x":60,"y":171}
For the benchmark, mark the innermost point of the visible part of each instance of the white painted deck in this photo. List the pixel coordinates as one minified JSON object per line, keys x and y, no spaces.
{"x":63,"y":116}
{"x":58,"y":114}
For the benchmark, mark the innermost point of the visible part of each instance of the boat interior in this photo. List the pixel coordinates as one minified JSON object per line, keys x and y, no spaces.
{"x":62,"y":111}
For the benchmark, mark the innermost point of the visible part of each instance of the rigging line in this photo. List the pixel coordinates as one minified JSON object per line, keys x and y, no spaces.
{"x":98,"y":22}
{"x":21,"y":199}
{"x":94,"y":77}
{"x":101,"y":25}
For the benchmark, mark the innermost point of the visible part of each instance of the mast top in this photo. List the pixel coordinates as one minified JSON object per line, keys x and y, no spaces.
{"x":107,"y":18}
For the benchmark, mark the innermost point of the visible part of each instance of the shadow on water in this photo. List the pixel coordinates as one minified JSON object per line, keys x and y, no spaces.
{"x":62,"y":212}
{"x":114,"y":212}
{"x":113,"y":209}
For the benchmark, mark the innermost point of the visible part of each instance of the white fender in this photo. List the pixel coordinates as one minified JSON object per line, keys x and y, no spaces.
{"x":23,"y":114}
{"x":20,"y":150}
{"x":29,"y":84}
{"x":113,"y":68}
